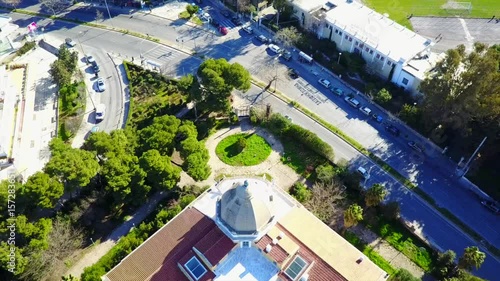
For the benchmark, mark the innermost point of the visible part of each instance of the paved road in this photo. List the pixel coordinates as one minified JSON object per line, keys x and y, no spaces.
{"x":241,"y":48}
{"x":427,"y":222}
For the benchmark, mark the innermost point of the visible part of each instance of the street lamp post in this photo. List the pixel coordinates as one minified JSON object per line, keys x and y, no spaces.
{"x":81,"y":46}
{"x":338,"y":61}
{"x":276,"y":75}
{"x":107,"y":8}
{"x":366,"y":178}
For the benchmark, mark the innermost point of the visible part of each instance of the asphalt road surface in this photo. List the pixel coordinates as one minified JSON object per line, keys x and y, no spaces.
{"x":431,"y":172}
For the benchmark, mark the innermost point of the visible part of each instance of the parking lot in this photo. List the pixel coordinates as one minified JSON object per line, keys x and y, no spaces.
{"x":309,"y":91}
{"x":451,"y":32}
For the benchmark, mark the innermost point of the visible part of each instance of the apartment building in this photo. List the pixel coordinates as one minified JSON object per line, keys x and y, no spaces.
{"x":390,"y":50}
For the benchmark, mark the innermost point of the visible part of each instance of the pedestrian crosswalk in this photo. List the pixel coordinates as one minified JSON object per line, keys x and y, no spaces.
{"x":227,"y":23}
{"x":161,"y":55}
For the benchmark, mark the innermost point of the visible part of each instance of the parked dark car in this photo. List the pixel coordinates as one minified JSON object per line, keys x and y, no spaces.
{"x":415,"y":146}
{"x":262,"y":39}
{"x":214,"y":23}
{"x":393,"y":130}
{"x":96,"y":69}
{"x":293,"y":73}
{"x":286,"y":55}
{"x":492,"y":206}
{"x":377,"y":118}
{"x":236,"y":21}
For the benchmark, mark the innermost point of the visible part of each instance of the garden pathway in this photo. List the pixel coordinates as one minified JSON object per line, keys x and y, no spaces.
{"x":281,"y":174}
{"x":382,"y":247}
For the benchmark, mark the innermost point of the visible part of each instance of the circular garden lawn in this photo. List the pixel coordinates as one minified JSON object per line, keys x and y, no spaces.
{"x":243,"y":150}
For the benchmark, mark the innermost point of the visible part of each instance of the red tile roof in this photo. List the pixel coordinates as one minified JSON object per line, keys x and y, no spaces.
{"x":277,"y":253}
{"x":215,"y":245}
{"x":319,"y":271}
{"x":157,"y":258}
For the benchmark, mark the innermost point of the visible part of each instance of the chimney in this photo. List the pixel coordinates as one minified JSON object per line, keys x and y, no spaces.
{"x":268,"y":248}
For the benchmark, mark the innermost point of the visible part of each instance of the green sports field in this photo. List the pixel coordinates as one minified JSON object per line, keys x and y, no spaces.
{"x":399,"y":10}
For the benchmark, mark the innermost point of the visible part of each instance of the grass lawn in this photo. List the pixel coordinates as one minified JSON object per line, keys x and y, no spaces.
{"x":255,"y":151}
{"x":398,"y":10}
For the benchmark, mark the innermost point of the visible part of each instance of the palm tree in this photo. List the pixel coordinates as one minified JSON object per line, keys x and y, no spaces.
{"x":472,"y":257}
{"x":352,"y":216}
{"x":375,"y":195}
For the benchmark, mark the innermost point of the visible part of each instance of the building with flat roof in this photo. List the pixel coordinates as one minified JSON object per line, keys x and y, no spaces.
{"x":6,"y":29}
{"x":245,"y":229}
{"x":387,"y":47}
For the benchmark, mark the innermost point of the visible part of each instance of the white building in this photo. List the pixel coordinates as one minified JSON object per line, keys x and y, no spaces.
{"x":6,"y":29}
{"x":389,"y":49}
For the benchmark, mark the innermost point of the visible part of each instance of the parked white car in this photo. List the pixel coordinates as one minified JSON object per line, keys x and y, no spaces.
{"x":100,"y":112}
{"x":362,"y":171}
{"x":325,"y":83}
{"x":353,"y":102}
{"x":366,"y":110}
{"x":101,"y":86}
{"x":248,"y":29}
{"x":90,"y":59}
{"x":275,"y":49}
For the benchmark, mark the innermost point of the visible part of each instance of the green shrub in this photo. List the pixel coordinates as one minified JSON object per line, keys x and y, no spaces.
{"x":300,"y":192}
{"x":26,"y":48}
{"x":403,"y":275}
{"x":192,"y":9}
{"x":184,"y":15}
{"x":369,"y":252}
{"x":383,"y":96}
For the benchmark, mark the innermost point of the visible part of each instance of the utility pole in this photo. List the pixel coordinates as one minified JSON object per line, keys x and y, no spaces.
{"x":81,"y":46}
{"x":276,"y":75}
{"x":466,"y":167}
{"x":107,"y":8}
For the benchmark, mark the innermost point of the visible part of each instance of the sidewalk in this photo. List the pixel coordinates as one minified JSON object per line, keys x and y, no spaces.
{"x":37,"y":114}
{"x":102,"y":248}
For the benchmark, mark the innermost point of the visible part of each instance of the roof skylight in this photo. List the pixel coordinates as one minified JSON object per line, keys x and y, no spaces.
{"x":297,"y":265}
{"x":195,"y":268}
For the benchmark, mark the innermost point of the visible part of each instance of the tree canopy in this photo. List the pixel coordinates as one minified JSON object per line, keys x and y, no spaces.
{"x":375,"y":195}
{"x":161,"y":174}
{"x":352,"y":215}
{"x":462,"y":95}
{"x":41,"y":190}
{"x":218,"y":78}
{"x":288,"y":36}
{"x":160,"y":135}
{"x":472,"y":258}
{"x":73,"y":167}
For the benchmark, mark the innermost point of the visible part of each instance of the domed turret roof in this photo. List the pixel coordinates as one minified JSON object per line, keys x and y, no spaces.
{"x":244,"y":212}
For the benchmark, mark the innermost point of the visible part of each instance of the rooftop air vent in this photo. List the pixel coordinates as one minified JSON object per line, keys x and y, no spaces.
{"x":281,"y":235}
{"x":359,"y":260}
{"x":268,"y":248}
{"x":304,"y":277}
{"x":275,"y":241}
